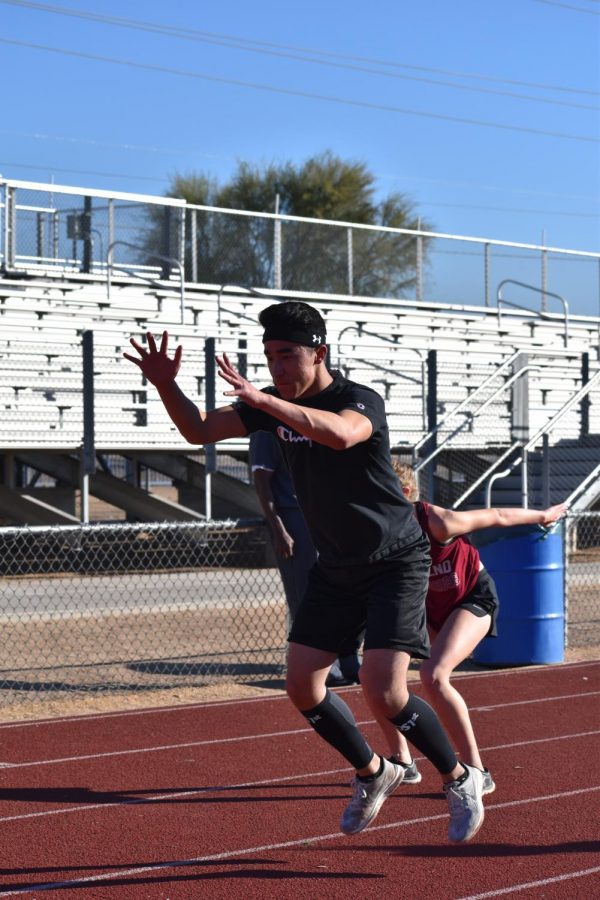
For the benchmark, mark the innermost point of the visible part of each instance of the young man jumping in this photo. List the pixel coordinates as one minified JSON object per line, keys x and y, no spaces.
{"x":373,"y":566}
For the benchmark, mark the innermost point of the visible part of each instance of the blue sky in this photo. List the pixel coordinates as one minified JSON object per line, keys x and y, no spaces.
{"x":484,"y":113}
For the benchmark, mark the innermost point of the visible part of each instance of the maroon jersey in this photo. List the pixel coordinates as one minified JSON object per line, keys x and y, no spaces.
{"x":454,"y":571}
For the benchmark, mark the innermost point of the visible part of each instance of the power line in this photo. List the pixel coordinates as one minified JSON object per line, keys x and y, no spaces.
{"x":36,"y":135}
{"x":488,"y":187}
{"x":275,"y":49}
{"x":47,"y":168}
{"x":388,"y":176}
{"x":590,"y":12}
{"x":433,"y":203}
{"x":507,"y":209}
{"x":308,"y":95}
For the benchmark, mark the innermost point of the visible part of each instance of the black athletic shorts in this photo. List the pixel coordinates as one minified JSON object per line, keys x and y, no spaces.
{"x":483,"y":601}
{"x":385,"y":598}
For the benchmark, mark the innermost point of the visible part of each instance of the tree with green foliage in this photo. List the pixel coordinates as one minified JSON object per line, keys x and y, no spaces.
{"x":314,"y":257}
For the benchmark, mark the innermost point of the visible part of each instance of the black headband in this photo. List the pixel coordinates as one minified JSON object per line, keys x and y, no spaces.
{"x":306,"y":338}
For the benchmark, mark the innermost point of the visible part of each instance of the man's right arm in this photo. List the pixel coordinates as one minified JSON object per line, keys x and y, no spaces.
{"x":196,"y":425}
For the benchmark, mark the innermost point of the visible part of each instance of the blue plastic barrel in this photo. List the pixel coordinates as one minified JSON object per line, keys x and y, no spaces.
{"x":527,"y":565}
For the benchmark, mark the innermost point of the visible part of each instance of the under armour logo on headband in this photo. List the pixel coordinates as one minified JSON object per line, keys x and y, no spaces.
{"x":294,"y":334}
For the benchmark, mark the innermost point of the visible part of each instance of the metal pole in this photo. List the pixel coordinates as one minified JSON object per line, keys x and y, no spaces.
{"x":432,"y":381}
{"x":210,"y":451}
{"x":194,"y":244}
{"x":419,"y":263}
{"x":88,"y":452}
{"x":86,"y":234}
{"x":524,"y":481}
{"x":545,"y":471}
{"x":111,"y":221}
{"x":350,"y":262}
{"x":10,"y":233}
{"x":487,"y":271}
{"x":584,"y":428}
{"x":41,"y":237}
{"x":277,"y":274}
{"x":55,"y":234}
{"x":544,"y":273}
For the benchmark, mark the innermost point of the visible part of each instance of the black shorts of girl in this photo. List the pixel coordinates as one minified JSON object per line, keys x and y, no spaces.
{"x":483,"y":601}
{"x":386,"y":598}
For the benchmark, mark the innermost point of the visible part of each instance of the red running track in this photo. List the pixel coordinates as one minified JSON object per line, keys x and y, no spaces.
{"x":240,"y":799}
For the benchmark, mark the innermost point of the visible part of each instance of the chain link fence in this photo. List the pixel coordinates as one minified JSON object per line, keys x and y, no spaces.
{"x":582,"y":580}
{"x":144,"y":607}
{"x":65,"y":229}
{"x":150,"y":608}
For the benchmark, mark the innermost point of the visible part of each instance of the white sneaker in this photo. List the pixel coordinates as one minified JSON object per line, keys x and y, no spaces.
{"x":368,"y":797}
{"x":466,"y":806}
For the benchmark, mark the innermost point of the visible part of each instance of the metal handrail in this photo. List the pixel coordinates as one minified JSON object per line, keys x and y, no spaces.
{"x":471,"y":416}
{"x":582,"y":485}
{"x":361,"y":331}
{"x":541,"y":314}
{"x":169,"y":259}
{"x":243,"y":287}
{"x":453,"y":412}
{"x":545,"y":429}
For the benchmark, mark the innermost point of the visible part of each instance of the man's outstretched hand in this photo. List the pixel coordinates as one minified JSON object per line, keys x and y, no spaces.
{"x":155,"y":363}
{"x":240,"y":386}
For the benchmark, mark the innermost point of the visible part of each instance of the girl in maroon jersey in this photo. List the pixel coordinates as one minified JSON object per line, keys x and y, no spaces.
{"x":462,"y":606}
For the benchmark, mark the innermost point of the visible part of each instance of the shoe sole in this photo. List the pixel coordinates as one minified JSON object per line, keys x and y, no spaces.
{"x":389,"y":790}
{"x":489,"y":790}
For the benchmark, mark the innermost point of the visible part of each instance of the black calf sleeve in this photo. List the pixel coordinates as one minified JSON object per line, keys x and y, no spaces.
{"x":334,"y":722}
{"x":420,"y":725}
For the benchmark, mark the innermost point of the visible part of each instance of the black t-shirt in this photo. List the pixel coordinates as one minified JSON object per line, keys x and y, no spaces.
{"x":351,"y":499}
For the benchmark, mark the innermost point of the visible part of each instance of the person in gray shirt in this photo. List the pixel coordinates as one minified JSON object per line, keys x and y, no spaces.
{"x":295,"y":553}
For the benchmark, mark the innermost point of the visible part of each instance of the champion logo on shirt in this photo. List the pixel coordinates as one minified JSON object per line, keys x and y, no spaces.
{"x":290,"y":437}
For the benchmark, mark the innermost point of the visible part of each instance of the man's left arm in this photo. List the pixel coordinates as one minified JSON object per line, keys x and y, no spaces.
{"x":336,"y":430}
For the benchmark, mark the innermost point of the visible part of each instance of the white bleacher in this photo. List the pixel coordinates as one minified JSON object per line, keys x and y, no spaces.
{"x":374,"y":342}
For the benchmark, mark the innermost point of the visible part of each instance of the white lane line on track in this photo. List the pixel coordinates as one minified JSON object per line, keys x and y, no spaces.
{"x":248,"y":851}
{"x":244,"y":785}
{"x":209,"y":704}
{"x":513,"y":889}
{"x":263,"y":735}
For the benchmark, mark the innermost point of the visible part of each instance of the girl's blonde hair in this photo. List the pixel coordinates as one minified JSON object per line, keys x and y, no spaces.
{"x":407,"y":479}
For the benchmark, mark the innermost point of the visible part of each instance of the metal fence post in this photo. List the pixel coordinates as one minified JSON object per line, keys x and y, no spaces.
{"x":88,"y":451}
{"x":419,"y":264}
{"x":40,"y":234}
{"x":210,"y":451}
{"x":277,"y":239}
{"x":181,"y":248}
{"x":545,"y":471}
{"x":194,"y":244}
{"x":487,"y":271}
{"x":544,"y":303}
{"x":10,"y":227}
{"x":429,"y":447}
{"x":350,"y":262}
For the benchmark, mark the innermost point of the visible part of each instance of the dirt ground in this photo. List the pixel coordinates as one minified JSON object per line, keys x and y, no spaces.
{"x":224,"y":690}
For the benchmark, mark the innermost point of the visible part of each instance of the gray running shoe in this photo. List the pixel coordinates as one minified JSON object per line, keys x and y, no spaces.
{"x":368,"y":797}
{"x":411,"y":773}
{"x":489,"y":785}
{"x":466,"y":806}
